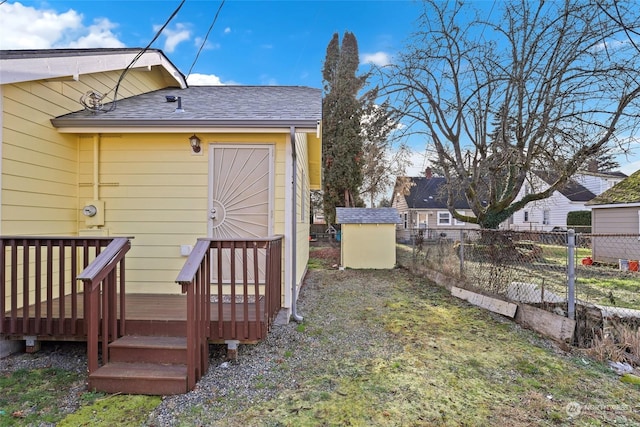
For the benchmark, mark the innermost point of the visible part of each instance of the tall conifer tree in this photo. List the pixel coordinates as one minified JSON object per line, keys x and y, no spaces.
{"x":341,"y":138}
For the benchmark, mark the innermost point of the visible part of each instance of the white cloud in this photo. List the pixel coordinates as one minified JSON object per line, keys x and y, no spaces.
{"x":227,"y":30}
{"x":204,"y":80}
{"x":30,"y":28}
{"x":379,"y":58}
{"x":100,"y":35}
{"x":197,"y":42}
{"x":174,"y":37}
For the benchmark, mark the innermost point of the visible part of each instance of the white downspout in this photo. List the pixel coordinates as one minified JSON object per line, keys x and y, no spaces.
{"x":294,"y":228}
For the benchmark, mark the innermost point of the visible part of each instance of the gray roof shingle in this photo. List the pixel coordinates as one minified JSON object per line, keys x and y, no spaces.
{"x":209,"y":106}
{"x":367,"y":216}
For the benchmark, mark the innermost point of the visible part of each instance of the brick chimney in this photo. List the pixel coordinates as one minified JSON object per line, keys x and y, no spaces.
{"x":427,"y":173}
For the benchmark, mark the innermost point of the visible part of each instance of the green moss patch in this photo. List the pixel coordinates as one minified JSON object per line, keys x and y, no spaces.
{"x":113,"y":410}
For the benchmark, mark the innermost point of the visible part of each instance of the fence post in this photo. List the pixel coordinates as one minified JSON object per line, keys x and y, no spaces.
{"x":571,"y":274}
{"x":461,"y":253}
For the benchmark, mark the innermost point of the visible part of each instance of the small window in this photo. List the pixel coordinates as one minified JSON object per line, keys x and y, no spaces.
{"x":546,"y":217}
{"x":458,"y":222}
{"x":444,"y":218}
{"x":526,"y":216}
{"x":405,"y":220}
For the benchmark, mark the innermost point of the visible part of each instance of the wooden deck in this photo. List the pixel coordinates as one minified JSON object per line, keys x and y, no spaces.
{"x":95,"y":306}
{"x":146,"y":314}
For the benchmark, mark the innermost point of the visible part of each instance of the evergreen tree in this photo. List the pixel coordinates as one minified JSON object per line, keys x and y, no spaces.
{"x":341,"y":138}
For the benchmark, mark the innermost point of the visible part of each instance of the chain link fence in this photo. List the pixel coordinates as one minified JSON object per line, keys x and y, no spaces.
{"x":592,"y":278}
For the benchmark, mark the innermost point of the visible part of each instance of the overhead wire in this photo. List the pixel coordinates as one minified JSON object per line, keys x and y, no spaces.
{"x":133,"y":61}
{"x":204,"y":41}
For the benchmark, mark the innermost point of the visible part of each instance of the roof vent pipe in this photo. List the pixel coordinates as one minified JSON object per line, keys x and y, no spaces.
{"x":179,"y":109}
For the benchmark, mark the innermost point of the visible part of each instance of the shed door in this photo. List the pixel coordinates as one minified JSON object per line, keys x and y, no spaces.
{"x":240,"y":196}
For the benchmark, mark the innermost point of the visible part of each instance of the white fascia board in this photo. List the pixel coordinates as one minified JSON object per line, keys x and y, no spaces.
{"x":73,"y":66}
{"x":616,"y":205}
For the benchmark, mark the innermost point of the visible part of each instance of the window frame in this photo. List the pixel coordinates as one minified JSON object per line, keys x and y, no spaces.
{"x":448,"y":217}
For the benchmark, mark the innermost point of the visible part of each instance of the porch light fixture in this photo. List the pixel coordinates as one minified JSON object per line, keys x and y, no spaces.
{"x":195,"y":143}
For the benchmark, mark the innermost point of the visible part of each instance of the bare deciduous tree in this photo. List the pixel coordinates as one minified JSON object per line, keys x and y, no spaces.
{"x":536,"y":86}
{"x":382,"y":160}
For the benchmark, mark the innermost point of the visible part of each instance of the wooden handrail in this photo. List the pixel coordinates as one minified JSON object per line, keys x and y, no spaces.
{"x":103,"y":305}
{"x":195,"y":279}
{"x":105,"y":262}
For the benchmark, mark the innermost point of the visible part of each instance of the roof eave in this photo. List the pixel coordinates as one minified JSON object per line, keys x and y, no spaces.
{"x":43,"y":66}
{"x":136,"y":126}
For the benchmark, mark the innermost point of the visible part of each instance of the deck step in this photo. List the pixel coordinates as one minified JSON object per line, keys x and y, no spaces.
{"x":140,"y":378}
{"x":144,"y":349}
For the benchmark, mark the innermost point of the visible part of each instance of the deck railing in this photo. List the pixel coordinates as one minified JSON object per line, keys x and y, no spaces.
{"x":104,"y":282}
{"x":39,"y":293}
{"x":244,"y":273}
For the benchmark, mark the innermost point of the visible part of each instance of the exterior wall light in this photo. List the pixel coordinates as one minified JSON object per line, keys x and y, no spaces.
{"x":195,"y":143}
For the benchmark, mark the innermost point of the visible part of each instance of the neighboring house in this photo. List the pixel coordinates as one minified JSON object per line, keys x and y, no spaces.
{"x":165,"y":164}
{"x":368,"y":237}
{"x":617,"y":211}
{"x":423,"y":211}
{"x":544,"y":215}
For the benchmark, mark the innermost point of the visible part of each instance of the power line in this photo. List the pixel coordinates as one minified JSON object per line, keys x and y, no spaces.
{"x":215,"y":18}
{"x":95,"y":99}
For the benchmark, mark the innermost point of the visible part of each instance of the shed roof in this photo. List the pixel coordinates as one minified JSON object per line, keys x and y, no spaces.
{"x":207,"y":106}
{"x":367,"y":216}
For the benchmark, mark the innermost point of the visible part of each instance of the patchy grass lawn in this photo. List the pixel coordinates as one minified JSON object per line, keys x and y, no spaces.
{"x":30,"y":397}
{"x":434,"y":361}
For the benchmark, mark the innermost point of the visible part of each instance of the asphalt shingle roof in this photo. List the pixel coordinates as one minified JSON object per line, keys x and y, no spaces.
{"x":428,"y":193}
{"x":208,"y":105}
{"x":367,"y":216}
{"x":571,"y":190}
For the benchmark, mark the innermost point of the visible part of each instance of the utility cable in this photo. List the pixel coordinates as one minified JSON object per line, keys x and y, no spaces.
{"x":215,"y":18}
{"x":95,"y":99}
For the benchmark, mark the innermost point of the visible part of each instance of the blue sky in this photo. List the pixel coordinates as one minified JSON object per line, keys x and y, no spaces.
{"x":252,"y":42}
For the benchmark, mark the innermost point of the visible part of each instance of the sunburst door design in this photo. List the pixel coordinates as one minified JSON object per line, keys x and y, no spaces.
{"x":240,"y":199}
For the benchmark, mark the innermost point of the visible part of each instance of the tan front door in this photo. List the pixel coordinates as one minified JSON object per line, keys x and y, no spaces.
{"x":241,"y":194}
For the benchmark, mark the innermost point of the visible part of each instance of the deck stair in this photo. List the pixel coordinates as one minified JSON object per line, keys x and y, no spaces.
{"x":149,"y":365}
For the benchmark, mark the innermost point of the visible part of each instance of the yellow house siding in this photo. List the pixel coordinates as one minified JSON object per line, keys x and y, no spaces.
{"x":156,"y":191}
{"x":315,"y":162}
{"x":368,"y":246}
{"x":39,"y":165}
